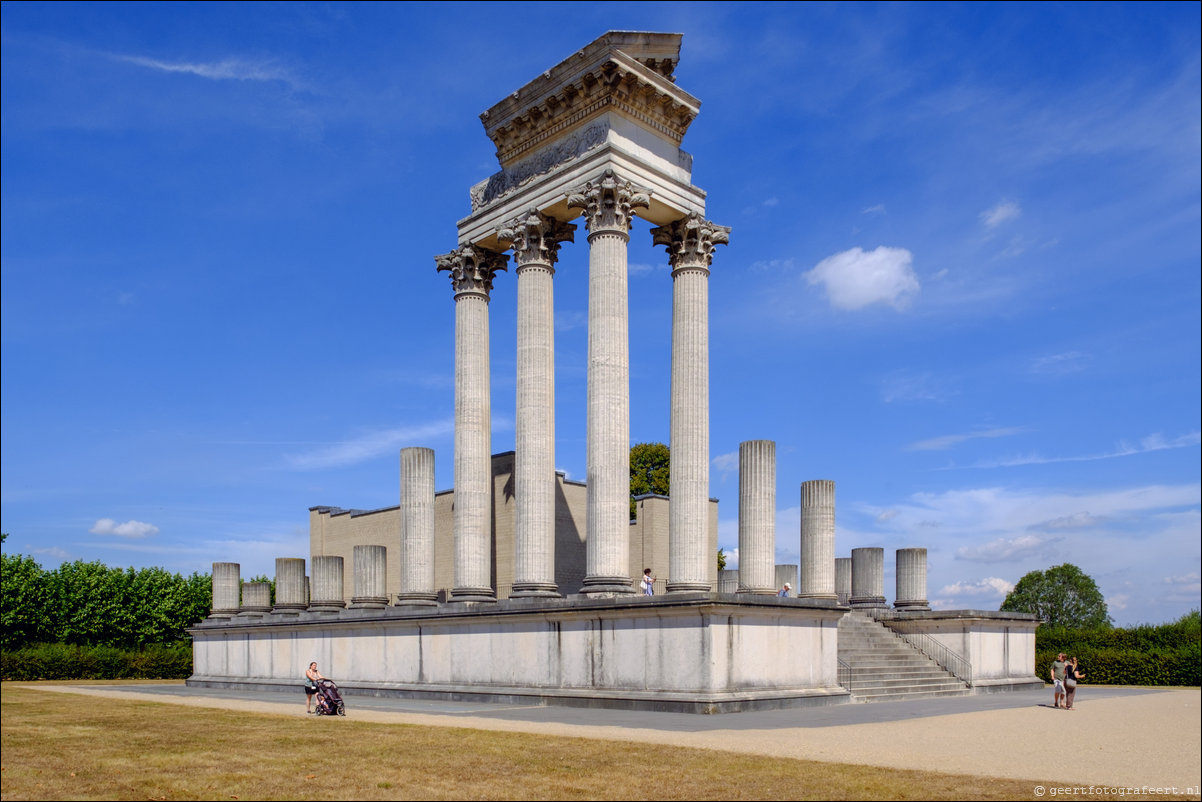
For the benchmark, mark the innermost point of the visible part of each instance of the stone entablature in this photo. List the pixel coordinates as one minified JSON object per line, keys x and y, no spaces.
{"x":627,"y":72}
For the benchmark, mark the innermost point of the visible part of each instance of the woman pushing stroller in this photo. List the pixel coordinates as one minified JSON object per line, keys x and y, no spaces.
{"x":322,"y":695}
{"x":311,"y":678}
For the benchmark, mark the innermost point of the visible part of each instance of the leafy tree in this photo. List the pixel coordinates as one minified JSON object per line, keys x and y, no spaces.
{"x":721,"y":559}
{"x":1062,"y":596}
{"x":649,"y":471}
{"x":24,"y":601}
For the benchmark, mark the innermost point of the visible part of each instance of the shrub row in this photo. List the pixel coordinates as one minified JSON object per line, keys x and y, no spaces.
{"x":62,"y":661}
{"x":1130,"y":667}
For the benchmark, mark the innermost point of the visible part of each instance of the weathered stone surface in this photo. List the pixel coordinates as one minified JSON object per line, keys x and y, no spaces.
{"x":867,"y":578}
{"x":757,"y":517}
{"x":817,"y":540}
{"x":327,"y":584}
{"x":911,"y":580}
{"x":417,"y":576}
{"x":227,"y":579}
{"x":371,"y":568}
{"x":291,"y":588}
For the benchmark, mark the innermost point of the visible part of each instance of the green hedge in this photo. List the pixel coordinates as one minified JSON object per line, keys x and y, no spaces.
{"x":63,"y":661}
{"x":1168,"y":654}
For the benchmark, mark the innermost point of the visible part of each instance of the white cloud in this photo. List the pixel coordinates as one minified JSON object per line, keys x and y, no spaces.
{"x":229,"y":69}
{"x":1003,"y":549}
{"x":948,"y":440}
{"x":1153,"y":442}
{"x":854,"y":279}
{"x":878,"y":209}
{"x":1074,"y":521}
{"x":771,"y":202}
{"x":1000,"y":213}
{"x":373,"y":444}
{"x":107,"y":526}
{"x":643,"y":268}
{"x":1067,"y":362}
{"x":54,"y":552}
{"x":727,"y":464}
{"x":886,"y":515}
{"x":990,"y":586}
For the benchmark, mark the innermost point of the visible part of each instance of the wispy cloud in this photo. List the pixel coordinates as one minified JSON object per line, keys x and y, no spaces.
{"x":906,"y":386}
{"x":857,"y":278}
{"x":762,"y":265}
{"x":727,"y":464}
{"x":228,"y":69}
{"x":1153,"y":442}
{"x":878,"y":209}
{"x":371,"y":445}
{"x":1002,"y":212}
{"x":990,"y":586}
{"x":1067,"y":362}
{"x":107,"y":526}
{"x":1004,"y":549}
{"x":946,"y":441}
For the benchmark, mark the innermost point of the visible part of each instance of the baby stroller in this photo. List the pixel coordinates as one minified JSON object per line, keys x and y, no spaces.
{"x":329,"y":700}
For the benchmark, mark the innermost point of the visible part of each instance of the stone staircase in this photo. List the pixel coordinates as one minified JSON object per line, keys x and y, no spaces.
{"x":885,"y":668}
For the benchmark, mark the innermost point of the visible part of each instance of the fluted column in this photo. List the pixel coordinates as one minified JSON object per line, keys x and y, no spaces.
{"x":290,"y":596}
{"x":327,"y":584}
{"x":371,"y":577}
{"x":757,"y":517}
{"x":227,"y":581}
{"x":256,"y":599}
{"x":843,"y":579}
{"x":472,"y":270}
{"x":911,"y":580}
{"x":817,"y":540}
{"x":607,"y":204}
{"x":535,"y":239}
{"x":867,"y":578}
{"x":417,"y":527}
{"x":690,"y":243}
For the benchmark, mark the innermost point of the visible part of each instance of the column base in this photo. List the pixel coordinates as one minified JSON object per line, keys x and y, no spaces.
{"x":831,"y":596}
{"x":460,"y":595}
{"x":920,"y":605}
{"x":289,"y":609}
{"x":867,"y":602}
{"x":603,"y":586}
{"x":326,"y":606}
{"x":368,"y":603}
{"x":688,"y":587}
{"x":223,"y":613}
{"x":416,"y":600}
{"x":535,"y":590}
{"x":757,"y":591}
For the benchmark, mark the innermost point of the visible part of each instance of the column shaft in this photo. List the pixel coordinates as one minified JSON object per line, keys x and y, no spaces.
{"x":757,"y":517}
{"x":417,"y":584}
{"x":472,"y":270}
{"x":688,"y":519}
{"x":843,"y":579}
{"x":290,"y":590}
{"x":817,"y":540}
{"x":608,"y":413}
{"x":371,"y":577}
{"x":911,"y":580}
{"x":867,"y":577}
{"x":227,"y":582}
{"x":328,"y":581}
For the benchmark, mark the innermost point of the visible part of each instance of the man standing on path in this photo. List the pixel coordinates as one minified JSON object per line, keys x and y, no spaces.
{"x":1058,"y":680}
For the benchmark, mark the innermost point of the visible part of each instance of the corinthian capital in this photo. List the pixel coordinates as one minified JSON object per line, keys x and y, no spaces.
{"x":609,"y":202}
{"x":471,"y":268}
{"x":535,"y":237}
{"x":690,"y":241}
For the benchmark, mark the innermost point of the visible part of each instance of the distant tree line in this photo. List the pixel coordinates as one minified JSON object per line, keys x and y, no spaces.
{"x":89,"y":604}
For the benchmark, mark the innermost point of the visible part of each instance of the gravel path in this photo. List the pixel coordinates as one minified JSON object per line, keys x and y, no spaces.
{"x":1144,"y":738}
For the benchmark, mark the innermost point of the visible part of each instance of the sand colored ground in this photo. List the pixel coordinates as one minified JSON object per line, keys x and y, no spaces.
{"x":1150,"y":739}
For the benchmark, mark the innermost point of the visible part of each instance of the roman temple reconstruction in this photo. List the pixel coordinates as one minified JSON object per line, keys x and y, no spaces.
{"x":520,"y":585}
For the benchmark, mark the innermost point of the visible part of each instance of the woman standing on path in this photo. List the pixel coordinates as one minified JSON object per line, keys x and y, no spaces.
{"x":1071,"y":677}
{"x":311,"y":678}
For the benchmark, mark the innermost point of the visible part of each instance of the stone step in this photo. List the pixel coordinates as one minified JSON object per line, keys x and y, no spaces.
{"x":907,"y":682}
{"x":901,"y":697}
{"x":895,"y":673}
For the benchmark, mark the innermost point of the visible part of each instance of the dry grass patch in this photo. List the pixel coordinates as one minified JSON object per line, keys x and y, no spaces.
{"x":62,"y":746}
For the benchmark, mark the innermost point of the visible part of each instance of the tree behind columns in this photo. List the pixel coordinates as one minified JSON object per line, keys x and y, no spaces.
{"x":649,"y":471}
{"x":1062,"y":596}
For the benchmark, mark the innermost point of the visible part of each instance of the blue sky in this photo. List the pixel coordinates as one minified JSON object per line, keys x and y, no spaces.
{"x":963,"y":277}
